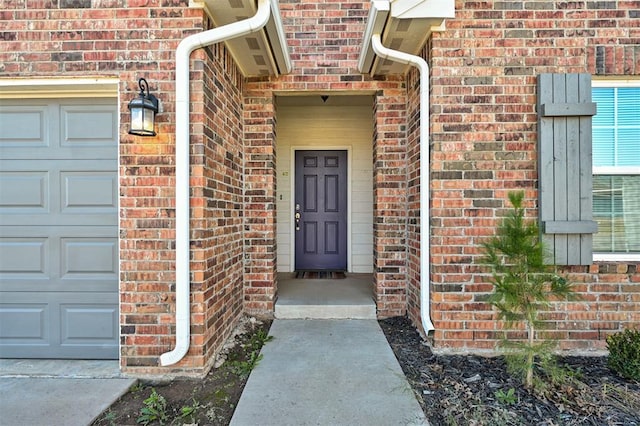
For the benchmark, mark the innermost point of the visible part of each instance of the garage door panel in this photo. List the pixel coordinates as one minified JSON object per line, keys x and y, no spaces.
{"x":90,"y":258}
{"x":88,"y":324}
{"x":59,"y":228}
{"x":24,"y":258}
{"x":23,"y":323}
{"x":24,"y":192}
{"x":101,"y":119}
{"x":89,"y":192}
{"x":23,"y":126}
{"x":58,"y":193}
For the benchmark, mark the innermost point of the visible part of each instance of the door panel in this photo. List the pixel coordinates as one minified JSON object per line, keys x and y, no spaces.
{"x":321,"y":202}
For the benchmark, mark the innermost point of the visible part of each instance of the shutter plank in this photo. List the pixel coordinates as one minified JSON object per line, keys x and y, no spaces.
{"x":573,"y":169}
{"x":560,"y":169}
{"x":570,"y":227}
{"x":586,"y":170}
{"x":545,"y":163}
{"x":568,"y":109}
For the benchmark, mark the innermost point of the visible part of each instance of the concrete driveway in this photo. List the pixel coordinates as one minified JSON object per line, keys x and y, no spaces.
{"x":57,"y":392}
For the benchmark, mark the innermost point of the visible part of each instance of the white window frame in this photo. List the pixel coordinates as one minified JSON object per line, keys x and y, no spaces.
{"x":608,"y":170}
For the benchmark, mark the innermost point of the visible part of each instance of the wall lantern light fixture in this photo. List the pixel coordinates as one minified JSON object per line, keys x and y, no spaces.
{"x":143,"y":111}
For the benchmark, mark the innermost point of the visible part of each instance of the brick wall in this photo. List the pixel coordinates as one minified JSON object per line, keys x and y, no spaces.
{"x":260,"y":200}
{"x":324,"y":40}
{"x":390,"y":200}
{"x":217,"y":200}
{"x":484,"y":70}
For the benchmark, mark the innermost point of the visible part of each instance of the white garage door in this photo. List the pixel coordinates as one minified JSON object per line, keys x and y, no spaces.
{"x":58,"y":228}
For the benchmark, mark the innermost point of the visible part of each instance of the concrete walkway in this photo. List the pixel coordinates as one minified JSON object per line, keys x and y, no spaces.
{"x":327,"y":372}
{"x":57,"y":392}
{"x":314,"y":372}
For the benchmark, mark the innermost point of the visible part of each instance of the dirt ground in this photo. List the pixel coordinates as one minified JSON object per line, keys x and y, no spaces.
{"x":452,"y":390}
{"x":208,"y":401}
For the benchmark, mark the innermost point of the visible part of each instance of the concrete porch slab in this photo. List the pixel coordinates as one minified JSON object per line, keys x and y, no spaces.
{"x":348,"y":298}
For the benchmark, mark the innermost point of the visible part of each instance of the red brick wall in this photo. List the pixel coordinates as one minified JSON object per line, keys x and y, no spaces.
{"x":128,"y":40}
{"x":260,"y":283}
{"x":483,"y":140}
{"x":484,"y":69}
{"x":217,"y":200}
{"x":390,"y":199}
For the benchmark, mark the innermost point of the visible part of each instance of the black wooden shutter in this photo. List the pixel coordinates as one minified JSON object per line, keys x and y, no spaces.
{"x":565,"y":167}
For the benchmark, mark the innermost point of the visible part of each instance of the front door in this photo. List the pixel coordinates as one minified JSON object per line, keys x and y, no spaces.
{"x":321,"y":210}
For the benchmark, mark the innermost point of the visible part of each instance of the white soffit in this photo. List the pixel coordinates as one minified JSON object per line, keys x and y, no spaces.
{"x":258,"y":54}
{"x":404,"y":25}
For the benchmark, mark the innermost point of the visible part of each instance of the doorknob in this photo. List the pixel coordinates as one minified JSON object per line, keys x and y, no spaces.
{"x":297,"y":216}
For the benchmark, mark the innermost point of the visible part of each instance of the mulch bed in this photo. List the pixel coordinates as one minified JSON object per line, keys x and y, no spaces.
{"x":461,"y":390}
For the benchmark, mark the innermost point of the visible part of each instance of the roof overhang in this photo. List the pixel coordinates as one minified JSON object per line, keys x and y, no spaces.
{"x":259,"y":54}
{"x":403,"y":25}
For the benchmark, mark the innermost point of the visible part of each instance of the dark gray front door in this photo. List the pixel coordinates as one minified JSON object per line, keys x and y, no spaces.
{"x":321,"y":210}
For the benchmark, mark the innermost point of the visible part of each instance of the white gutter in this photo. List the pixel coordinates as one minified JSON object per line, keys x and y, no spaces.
{"x":425,"y":226}
{"x":183,"y":272}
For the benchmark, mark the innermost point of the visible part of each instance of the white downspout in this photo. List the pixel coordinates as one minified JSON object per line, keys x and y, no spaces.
{"x":183,"y":273}
{"x":425,"y":226}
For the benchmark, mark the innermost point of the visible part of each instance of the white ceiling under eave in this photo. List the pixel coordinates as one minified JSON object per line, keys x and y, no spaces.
{"x":404,"y":25}
{"x":258,"y":54}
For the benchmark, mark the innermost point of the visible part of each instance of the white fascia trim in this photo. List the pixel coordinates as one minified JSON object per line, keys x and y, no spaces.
{"x":376,"y":21}
{"x":419,"y":9}
{"x":31,"y":88}
{"x":276,"y":37}
{"x":278,"y":40}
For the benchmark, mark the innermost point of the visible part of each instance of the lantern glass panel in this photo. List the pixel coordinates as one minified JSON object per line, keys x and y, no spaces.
{"x":137,"y":114}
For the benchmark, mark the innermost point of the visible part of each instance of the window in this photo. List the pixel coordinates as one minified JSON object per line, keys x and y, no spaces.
{"x":616,"y":170}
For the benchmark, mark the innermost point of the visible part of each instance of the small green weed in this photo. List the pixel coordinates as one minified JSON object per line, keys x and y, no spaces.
{"x":244,"y":368}
{"x":136,"y":387}
{"x":189,"y":411}
{"x":155,"y":409}
{"x":110,"y":417}
{"x":257,"y":341}
{"x":506,"y":398}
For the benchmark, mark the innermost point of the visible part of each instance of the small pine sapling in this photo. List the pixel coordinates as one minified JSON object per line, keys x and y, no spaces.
{"x":523,"y":286}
